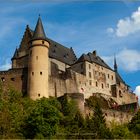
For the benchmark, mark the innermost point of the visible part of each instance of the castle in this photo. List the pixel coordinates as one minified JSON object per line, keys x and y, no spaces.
{"x":42,"y":67}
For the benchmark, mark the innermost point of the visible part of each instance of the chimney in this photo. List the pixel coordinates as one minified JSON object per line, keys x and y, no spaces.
{"x":94,"y":53}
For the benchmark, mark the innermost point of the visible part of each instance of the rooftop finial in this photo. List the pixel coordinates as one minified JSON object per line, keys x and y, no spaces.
{"x":115,"y":64}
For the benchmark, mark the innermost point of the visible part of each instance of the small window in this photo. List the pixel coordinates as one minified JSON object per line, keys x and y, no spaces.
{"x":108,"y":75}
{"x":12,"y":79}
{"x":90,"y":74}
{"x":90,"y":82}
{"x":42,"y":42}
{"x":120,"y":93}
{"x":30,"y":53}
{"x":41,"y":73}
{"x":2,"y":79}
{"x":108,"y":85}
{"x":102,"y":85}
{"x":32,"y":73}
{"x":38,"y":95}
{"x":81,"y":66}
{"x":112,"y":77}
{"x":114,"y":115}
{"x":36,"y":57}
{"x":96,"y":84}
{"x":89,"y":66}
{"x":22,"y":77}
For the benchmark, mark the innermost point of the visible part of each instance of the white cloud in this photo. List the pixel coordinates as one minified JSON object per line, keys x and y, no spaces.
{"x":137,"y":92}
{"x":6,"y":65}
{"x":127,"y":59}
{"x":110,"y":30}
{"x":128,"y":25}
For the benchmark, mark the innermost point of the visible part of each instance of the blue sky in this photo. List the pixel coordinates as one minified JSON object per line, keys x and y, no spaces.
{"x":110,"y":27}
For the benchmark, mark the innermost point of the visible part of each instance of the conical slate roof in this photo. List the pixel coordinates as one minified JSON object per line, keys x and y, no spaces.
{"x":39,"y":30}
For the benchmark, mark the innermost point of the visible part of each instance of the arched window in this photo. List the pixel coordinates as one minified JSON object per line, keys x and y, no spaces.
{"x":120,"y":93}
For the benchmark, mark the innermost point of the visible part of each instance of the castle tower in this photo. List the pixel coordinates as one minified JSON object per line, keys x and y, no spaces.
{"x":38,"y":63}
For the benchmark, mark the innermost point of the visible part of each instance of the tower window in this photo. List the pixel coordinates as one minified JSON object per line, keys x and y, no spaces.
{"x":41,"y":73}
{"x":89,"y":66}
{"x":42,"y":42}
{"x":108,"y":75}
{"x":2,"y":79}
{"x":112,"y":77}
{"x":81,"y":66}
{"x":102,"y":85}
{"x":90,"y":74}
{"x":36,"y":57}
{"x":22,"y":77}
{"x":32,"y":73}
{"x":30,"y":53}
{"x":12,"y":79}
{"x":96,"y":84}
{"x":90,"y":82}
{"x":38,"y":95}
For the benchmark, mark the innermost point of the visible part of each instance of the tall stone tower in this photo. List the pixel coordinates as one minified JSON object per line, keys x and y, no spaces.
{"x":38,"y":63}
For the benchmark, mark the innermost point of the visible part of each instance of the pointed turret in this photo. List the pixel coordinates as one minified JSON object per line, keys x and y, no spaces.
{"x":115,"y":65}
{"x":39,"y":30}
{"x":38,"y":64}
{"x":15,"y":54}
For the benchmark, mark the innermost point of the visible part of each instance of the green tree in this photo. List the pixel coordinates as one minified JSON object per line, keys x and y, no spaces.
{"x":43,"y":121}
{"x":122,"y":132}
{"x":134,"y":125}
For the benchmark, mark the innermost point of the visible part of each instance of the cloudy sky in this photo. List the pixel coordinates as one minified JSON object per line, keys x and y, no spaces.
{"x":110,"y":27}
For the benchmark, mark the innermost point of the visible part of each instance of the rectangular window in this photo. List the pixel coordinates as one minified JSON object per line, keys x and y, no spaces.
{"x":12,"y":79}
{"x":81,"y":66}
{"x":90,"y":82}
{"x":89,"y":66}
{"x":96,"y":84}
{"x":112,"y":77}
{"x":108,"y":76}
{"x":40,"y":73}
{"x":90,"y":74}
{"x":32,"y":73}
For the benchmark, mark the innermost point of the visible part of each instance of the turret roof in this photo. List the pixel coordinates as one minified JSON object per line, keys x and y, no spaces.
{"x":39,"y":30}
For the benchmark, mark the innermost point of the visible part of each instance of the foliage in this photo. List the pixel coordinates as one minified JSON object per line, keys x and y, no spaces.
{"x":43,"y":121}
{"x":122,"y":132}
{"x":21,"y":117}
{"x":96,"y":125}
{"x":134,"y":125}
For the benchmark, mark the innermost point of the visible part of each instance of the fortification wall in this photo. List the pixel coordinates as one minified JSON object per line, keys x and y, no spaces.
{"x":15,"y":78}
{"x":117,"y":117}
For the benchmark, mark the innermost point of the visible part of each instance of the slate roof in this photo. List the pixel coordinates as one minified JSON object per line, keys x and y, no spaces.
{"x":93,"y":59}
{"x":119,"y":79}
{"x":15,"y":54}
{"x":60,"y":52}
{"x":39,"y":31}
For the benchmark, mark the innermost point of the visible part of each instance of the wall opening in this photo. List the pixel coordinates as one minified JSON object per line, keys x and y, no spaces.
{"x":2,"y":79}
{"x":41,"y":73}
{"x":12,"y":79}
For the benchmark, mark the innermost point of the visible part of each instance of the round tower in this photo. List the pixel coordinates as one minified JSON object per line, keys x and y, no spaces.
{"x":38,"y":63}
